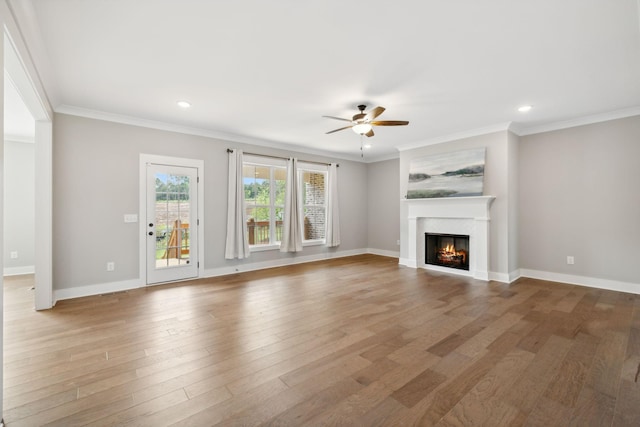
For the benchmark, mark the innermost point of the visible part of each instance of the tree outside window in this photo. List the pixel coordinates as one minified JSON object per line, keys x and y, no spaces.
{"x":264,"y":192}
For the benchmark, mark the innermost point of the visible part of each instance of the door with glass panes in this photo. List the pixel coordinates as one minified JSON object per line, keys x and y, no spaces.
{"x":172,"y":223}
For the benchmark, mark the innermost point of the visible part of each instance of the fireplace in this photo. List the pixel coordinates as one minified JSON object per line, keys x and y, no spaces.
{"x":447,"y":250}
{"x":467,"y":216}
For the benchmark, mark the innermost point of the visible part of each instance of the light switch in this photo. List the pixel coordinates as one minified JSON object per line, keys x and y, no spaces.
{"x":130,"y":217}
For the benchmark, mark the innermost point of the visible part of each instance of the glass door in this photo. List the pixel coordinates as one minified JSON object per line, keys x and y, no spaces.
{"x":171,"y":223}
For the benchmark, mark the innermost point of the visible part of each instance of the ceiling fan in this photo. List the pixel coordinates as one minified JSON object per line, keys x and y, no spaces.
{"x":362,"y":123}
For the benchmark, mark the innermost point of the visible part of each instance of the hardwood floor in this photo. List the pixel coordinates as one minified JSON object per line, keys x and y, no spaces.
{"x":352,"y":341}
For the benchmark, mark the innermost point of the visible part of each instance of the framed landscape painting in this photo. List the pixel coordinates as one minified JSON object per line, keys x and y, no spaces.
{"x":456,"y":174}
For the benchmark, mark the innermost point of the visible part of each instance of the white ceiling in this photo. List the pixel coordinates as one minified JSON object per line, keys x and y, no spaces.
{"x":266,"y":71}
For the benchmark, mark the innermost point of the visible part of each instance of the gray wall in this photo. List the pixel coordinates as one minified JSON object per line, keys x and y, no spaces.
{"x":580,"y":196}
{"x":496,"y":183}
{"x":383,"y":188}
{"x":96,"y":182}
{"x":19,"y":200}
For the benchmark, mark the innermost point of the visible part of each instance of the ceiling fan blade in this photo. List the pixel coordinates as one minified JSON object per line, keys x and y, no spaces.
{"x":337,"y":118}
{"x":336,"y":130}
{"x":374,"y":113}
{"x":390,"y":123}
{"x":370,"y":133}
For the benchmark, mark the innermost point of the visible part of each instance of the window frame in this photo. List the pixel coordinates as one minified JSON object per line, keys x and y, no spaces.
{"x":314,"y":168}
{"x":272,"y":164}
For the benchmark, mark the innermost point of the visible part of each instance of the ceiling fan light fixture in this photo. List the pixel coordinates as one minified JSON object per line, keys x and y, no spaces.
{"x":362,"y":128}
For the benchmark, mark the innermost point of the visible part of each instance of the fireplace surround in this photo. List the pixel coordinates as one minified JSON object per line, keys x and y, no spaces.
{"x":454,"y":215}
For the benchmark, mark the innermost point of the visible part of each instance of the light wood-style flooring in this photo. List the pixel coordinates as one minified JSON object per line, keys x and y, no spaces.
{"x":356,"y":341}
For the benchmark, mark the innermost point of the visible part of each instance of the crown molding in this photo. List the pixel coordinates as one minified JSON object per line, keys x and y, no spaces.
{"x":457,"y":136}
{"x":580,"y":121}
{"x":171,"y":127}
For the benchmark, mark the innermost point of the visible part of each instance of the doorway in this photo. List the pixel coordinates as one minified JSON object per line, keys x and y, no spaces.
{"x":171,"y":227}
{"x":16,"y":75}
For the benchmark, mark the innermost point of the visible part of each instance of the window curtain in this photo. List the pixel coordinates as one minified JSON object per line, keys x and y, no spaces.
{"x":333,"y":213}
{"x":237,"y":238}
{"x":292,"y":222}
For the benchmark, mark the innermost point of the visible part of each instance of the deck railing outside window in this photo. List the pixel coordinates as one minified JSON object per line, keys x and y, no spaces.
{"x":259,"y":232}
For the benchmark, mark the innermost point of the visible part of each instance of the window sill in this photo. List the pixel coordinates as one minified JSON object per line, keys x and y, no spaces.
{"x":261,"y":248}
{"x":313,"y":243}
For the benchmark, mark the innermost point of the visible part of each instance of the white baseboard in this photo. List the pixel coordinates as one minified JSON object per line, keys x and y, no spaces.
{"x":99,"y":289}
{"x":126,"y":285}
{"x":382,"y":252}
{"x":224,"y":271}
{"x":591,"y":282}
{"x":16,"y":271}
{"x":407,"y":262}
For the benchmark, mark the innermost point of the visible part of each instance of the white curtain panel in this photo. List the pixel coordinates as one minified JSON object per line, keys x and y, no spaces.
{"x":292,"y":223}
{"x":237,"y":237}
{"x":333,"y":213}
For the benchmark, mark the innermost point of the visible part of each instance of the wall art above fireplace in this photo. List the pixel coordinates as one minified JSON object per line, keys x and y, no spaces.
{"x":454,"y":174}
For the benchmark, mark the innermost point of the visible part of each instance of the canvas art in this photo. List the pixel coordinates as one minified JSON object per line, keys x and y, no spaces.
{"x":455,"y":174}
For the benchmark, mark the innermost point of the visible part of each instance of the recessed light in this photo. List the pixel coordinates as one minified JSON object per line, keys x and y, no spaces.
{"x":183,"y":104}
{"x":525,"y":108}
{"x":367,"y":145}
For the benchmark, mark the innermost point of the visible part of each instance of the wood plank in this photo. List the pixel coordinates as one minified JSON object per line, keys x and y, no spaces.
{"x":351,"y":341}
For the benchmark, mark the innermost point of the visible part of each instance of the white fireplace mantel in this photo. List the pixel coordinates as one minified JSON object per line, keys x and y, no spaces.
{"x":453,"y":215}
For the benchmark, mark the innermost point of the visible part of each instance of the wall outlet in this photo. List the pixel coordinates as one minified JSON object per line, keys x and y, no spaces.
{"x":570,"y":260}
{"x":111,"y":266}
{"x":13,"y":255}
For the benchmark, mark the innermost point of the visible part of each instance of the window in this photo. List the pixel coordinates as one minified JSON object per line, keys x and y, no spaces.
{"x":264,"y":188}
{"x":264,"y":181}
{"x":314,"y":202}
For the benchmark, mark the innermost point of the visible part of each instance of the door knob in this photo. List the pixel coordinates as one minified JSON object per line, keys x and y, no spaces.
{"x":151,"y":233}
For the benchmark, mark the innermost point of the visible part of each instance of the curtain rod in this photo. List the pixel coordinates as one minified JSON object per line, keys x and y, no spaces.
{"x":230,"y":150}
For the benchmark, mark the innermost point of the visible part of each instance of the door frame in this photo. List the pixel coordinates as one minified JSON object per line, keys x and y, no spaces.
{"x":20,"y":70}
{"x":142,"y":211}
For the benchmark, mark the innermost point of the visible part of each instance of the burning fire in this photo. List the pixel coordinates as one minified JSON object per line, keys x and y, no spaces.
{"x":449,"y":254}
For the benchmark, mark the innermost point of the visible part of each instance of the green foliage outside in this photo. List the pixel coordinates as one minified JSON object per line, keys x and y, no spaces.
{"x":257,"y":196}
{"x":174,"y":187}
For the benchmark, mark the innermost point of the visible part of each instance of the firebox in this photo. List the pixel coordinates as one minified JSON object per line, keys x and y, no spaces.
{"x":447,"y":250}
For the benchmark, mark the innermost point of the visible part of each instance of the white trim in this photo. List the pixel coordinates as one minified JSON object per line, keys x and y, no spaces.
{"x":591,"y":282}
{"x":382,"y":252}
{"x":142,"y":206}
{"x":229,"y":137}
{"x":580,"y":121}
{"x":514,"y":275}
{"x":408,"y":262}
{"x":21,"y":139}
{"x":457,"y":136}
{"x":43,"y":215}
{"x":127,"y":285}
{"x":499,"y":277}
{"x":18,"y":271}
{"x":281,"y":262}
{"x":382,"y":158}
{"x":99,"y":289}
{"x":23,"y":75}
